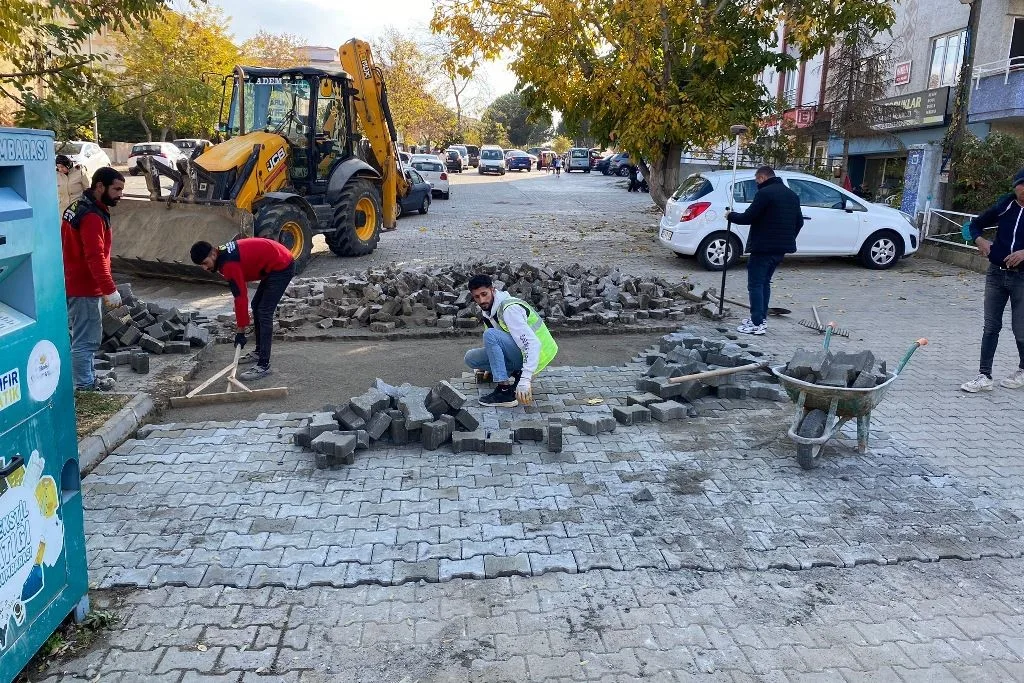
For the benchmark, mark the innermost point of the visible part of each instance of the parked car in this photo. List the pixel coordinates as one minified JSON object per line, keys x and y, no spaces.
{"x":404,"y":158}
{"x":578,"y":159}
{"x":166,"y":152}
{"x":836,"y":222}
{"x":602,"y":163}
{"x":595,"y":156}
{"x":619,"y":165}
{"x":492,"y":160}
{"x":474,"y":155}
{"x":188,"y":146}
{"x":418,"y":197}
{"x":426,"y":157}
{"x":518,"y":160}
{"x":86,"y":154}
{"x":464,"y":151}
{"x":453,"y":161}
{"x":545,"y":158}
{"x":434,"y":172}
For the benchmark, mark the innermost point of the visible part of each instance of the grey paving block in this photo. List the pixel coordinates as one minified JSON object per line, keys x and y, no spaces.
{"x":373,"y":401}
{"x":558,"y":562}
{"x":733,"y":391}
{"x":554,"y":437}
{"x":139,"y":362}
{"x":467,"y":420}
{"x":434,"y":434}
{"x":595,"y":424}
{"x":362,"y":437}
{"x":473,"y":568}
{"x":498,"y":442}
{"x":770,"y":392}
{"x":399,"y":434}
{"x":468,"y":441}
{"x":450,"y":395}
{"x":348,"y":419}
{"x":809,"y":364}
{"x":644,"y":399}
{"x":416,"y":413}
{"x":378,"y":424}
{"x":148,"y":343}
{"x":515,"y":565}
{"x":668,"y":410}
{"x":425,"y":570}
{"x":630,"y":415}
{"x":527,"y":430}
{"x":321,"y":423}
{"x":435,"y":404}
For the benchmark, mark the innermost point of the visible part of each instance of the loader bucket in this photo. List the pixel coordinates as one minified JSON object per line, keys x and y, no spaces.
{"x":152,"y":238}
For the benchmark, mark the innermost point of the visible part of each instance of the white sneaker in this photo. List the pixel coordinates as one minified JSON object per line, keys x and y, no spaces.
{"x":979,"y":383}
{"x":1014,"y":381}
{"x":748,"y":327}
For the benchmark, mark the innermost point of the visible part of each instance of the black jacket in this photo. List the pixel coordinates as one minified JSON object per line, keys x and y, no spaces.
{"x":774,"y":218}
{"x":1008,"y":215}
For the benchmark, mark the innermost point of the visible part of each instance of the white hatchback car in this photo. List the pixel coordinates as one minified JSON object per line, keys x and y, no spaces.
{"x":836,"y":222}
{"x":88,"y":155}
{"x":166,"y":152}
{"x":435,"y":173}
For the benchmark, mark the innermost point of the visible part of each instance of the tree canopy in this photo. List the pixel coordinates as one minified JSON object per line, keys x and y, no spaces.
{"x":521,"y":123}
{"x":654,"y":76}
{"x":280,"y":50}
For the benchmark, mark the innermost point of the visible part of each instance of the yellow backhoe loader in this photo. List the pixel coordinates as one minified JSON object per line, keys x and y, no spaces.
{"x":309,"y":151}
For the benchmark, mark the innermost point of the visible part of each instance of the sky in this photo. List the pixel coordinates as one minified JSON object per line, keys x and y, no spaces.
{"x":332,"y":22}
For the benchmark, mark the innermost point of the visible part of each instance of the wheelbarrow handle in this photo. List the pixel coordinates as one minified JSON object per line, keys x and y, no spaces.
{"x":910,"y":352}
{"x":829,"y":330}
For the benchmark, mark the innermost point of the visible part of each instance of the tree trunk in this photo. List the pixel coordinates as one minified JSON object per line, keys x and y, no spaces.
{"x":163,"y":134}
{"x":663,"y":176}
{"x":145,"y":126}
{"x":458,"y":108}
{"x":958,"y":125}
{"x":845,"y":165}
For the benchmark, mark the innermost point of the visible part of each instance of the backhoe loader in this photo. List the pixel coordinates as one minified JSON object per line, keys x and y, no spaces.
{"x":309,"y":151}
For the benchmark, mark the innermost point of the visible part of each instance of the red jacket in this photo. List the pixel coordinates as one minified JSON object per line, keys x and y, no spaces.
{"x":86,"y":242}
{"x":248,"y":260}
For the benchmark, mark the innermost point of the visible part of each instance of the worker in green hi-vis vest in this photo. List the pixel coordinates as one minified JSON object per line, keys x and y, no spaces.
{"x":517,"y":345}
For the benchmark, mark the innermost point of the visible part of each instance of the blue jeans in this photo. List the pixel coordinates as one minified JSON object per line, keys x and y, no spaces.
{"x":1002,"y":286}
{"x":760,"y":268}
{"x":86,"y":318}
{"x":500,"y":354}
{"x":264,"y":303}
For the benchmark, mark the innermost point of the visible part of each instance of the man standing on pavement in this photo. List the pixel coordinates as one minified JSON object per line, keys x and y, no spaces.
{"x":1004,"y":282}
{"x":517,"y":344}
{"x":775,"y":219}
{"x":248,"y":260}
{"x":88,"y":284}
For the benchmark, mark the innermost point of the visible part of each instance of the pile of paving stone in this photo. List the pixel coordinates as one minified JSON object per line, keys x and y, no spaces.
{"x":137,"y":329}
{"x":386,"y":299}
{"x":847,"y":370}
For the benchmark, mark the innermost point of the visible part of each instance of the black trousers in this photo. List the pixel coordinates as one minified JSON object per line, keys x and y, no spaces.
{"x":264,"y":303}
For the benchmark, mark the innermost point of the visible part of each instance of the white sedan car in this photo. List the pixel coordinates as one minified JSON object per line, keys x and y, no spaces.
{"x":435,"y":173}
{"x":836,"y":222}
{"x":166,"y":152}
{"x":86,"y":154}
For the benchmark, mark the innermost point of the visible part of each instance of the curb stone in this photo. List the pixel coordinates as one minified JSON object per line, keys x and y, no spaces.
{"x":114,"y":432}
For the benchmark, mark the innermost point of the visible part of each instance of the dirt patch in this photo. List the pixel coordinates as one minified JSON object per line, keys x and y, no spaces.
{"x":93,"y":408}
{"x":686,"y":482}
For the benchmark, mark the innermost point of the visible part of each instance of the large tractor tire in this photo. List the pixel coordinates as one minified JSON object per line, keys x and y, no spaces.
{"x":289,"y":225}
{"x":358,"y":219}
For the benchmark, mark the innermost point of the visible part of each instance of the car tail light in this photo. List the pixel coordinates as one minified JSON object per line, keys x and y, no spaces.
{"x":694,"y":210}
{"x":444,"y":176}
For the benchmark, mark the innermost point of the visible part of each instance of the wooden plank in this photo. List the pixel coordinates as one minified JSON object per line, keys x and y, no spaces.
{"x":238,"y":385}
{"x":233,"y":397}
{"x":718,"y":373}
{"x":220,"y":373}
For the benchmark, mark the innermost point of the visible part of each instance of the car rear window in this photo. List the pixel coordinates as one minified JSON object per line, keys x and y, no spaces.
{"x":692,"y":189}
{"x":427,"y":166}
{"x":491,"y":154}
{"x":147,"y":149}
{"x":580,"y":153}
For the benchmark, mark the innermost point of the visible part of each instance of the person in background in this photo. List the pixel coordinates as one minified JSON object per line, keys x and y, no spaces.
{"x":557,"y":163}
{"x":86,"y":241}
{"x":71,"y":181}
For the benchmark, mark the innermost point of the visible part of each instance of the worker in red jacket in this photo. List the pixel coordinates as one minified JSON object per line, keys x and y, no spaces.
{"x":248,"y":260}
{"x":86,"y":241}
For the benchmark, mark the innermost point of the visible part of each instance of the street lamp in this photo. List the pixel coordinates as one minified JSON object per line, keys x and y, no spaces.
{"x":738,"y":130}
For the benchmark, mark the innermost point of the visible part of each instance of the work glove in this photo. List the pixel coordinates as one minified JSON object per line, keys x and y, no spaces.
{"x":112,"y":300}
{"x":240,"y":340}
{"x":524,"y":391}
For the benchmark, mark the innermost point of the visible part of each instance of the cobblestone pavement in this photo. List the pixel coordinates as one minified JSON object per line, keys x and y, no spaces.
{"x":232,"y":558}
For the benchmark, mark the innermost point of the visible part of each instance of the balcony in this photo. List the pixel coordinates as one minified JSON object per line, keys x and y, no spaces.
{"x":997,"y":92}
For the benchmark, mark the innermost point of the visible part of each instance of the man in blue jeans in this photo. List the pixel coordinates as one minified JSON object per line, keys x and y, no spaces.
{"x":775,"y":219}
{"x":1004,"y":282}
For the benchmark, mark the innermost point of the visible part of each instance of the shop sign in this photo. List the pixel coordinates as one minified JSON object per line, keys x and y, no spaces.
{"x":903,"y":73}
{"x":915,"y":110}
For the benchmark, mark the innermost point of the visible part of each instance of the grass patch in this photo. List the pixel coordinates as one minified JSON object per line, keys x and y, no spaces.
{"x":69,"y":641}
{"x":93,"y":408}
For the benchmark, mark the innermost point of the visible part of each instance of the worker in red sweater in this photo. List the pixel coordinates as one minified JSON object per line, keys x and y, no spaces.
{"x":86,"y":240}
{"x":248,"y":260}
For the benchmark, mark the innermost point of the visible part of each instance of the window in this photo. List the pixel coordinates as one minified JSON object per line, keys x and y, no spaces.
{"x":947,"y":56}
{"x":692,"y":189}
{"x":427,"y":166}
{"x":1017,"y":44}
{"x":743,"y":192}
{"x":414,"y":177}
{"x":817,"y":195}
{"x":491,"y":154}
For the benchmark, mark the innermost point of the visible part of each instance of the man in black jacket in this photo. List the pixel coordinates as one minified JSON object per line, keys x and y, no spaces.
{"x":1004,"y":282}
{"x":775,"y":219}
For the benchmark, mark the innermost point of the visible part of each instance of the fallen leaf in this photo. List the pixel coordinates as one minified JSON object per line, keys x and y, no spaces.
{"x":201,"y":647}
{"x":594,"y":401}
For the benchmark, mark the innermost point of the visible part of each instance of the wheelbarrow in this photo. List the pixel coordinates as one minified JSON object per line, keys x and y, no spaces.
{"x":822,"y":411}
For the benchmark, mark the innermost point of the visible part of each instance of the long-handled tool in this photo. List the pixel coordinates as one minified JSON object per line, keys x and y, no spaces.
{"x":819,"y":328}
{"x":235,"y":392}
{"x":708,"y":374}
{"x":738,"y":131}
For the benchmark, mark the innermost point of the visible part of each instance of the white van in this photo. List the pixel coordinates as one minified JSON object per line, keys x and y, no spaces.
{"x":578,"y":159}
{"x":492,"y":160}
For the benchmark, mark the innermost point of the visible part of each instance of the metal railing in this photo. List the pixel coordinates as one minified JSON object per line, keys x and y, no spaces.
{"x":1002,"y":66}
{"x":939,"y":225}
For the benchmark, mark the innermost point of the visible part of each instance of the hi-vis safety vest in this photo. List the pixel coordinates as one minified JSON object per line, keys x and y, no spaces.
{"x":548,"y":347}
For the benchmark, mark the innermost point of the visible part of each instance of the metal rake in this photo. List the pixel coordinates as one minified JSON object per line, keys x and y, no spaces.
{"x":819,"y":328}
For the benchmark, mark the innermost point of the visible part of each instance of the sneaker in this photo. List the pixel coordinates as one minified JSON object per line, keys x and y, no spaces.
{"x":255,"y":372}
{"x":503,"y":396}
{"x":249,"y":358}
{"x":1014,"y":381}
{"x":748,"y":327}
{"x":979,"y":383}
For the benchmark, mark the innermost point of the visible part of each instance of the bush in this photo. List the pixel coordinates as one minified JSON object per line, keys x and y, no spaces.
{"x":986,"y":170}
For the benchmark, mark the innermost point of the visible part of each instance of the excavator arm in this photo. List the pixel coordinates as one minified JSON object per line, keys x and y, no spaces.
{"x":374,"y":115}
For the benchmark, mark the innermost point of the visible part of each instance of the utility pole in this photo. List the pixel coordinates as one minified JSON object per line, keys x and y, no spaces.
{"x":955,"y":135}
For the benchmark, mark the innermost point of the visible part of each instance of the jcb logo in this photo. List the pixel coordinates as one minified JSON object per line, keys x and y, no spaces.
{"x":366,"y":69}
{"x":275,"y":160}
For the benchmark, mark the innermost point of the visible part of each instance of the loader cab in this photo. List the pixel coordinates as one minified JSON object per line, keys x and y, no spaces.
{"x":307,"y":106}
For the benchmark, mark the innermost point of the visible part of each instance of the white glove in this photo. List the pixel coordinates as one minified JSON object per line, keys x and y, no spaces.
{"x":112,"y":300}
{"x":524,"y":391}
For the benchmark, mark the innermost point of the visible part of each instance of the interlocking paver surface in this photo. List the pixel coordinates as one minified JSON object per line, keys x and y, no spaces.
{"x":902,"y":563}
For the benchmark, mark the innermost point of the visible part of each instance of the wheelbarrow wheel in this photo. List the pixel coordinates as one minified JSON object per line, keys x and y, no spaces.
{"x":812,"y":426}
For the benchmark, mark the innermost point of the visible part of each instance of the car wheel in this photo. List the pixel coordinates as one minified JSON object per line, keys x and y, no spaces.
{"x":882,"y":250}
{"x":480,"y":171}
{"x":623,"y":172}
{"x":399,"y":212}
{"x":425,"y":206}
{"x":447,"y":195}
{"x":605,"y":171}
{"x":586,"y":170}
{"x":712,"y":251}
{"x":503,"y":172}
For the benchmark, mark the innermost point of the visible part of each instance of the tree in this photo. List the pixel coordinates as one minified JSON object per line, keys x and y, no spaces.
{"x":561,"y":144}
{"x":280,"y":50}
{"x":43,"y":43}
{"x":170,"y":68}
{"x":654,"y":76}
{"x":858,"y":78}
{"x":987,"y":168}
{"x":68,"y":119}
{"x":458,"y":68}
{"x":522,"y":124}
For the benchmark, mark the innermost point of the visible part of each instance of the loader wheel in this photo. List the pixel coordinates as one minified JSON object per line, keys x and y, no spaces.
{"x":289,"y":225}
{"x":357,"y":219}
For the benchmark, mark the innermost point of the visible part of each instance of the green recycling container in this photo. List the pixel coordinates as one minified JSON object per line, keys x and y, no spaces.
{"x":43,"y":574}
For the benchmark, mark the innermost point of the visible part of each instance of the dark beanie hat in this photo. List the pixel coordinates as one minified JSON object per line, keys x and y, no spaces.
{"x":1019,"y":178}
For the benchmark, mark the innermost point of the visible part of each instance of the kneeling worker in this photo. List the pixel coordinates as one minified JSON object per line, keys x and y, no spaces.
{"x":517,"y":344}
{"x":248,"y":260}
